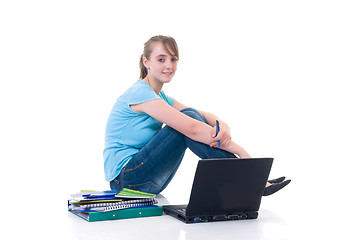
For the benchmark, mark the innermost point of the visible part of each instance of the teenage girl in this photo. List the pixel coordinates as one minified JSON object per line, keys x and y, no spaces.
{"x":139,"y":154}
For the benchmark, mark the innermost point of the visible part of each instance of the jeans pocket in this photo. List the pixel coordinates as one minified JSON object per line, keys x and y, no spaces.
{"x":133,"y":168}
{"x":135,"y":176}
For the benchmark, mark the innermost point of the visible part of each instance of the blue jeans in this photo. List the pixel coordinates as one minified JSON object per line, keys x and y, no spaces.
{"x":153,"y":167}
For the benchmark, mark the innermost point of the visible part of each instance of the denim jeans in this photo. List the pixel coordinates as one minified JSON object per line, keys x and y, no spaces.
{"x":153,"y":167}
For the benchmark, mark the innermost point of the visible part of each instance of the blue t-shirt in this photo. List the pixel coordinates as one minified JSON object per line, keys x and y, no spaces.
{"x":128,"y":131}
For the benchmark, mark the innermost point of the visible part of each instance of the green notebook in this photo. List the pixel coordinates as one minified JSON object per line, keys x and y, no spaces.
{"x":120,"y":214}
{"x":129,"y":193}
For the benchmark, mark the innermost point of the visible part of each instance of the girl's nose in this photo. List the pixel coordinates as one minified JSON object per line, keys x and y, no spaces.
{"x":169,"y":64}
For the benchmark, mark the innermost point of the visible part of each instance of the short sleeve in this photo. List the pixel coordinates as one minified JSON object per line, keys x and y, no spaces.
{"x":142,"y":94}
{"x":167,"y":99}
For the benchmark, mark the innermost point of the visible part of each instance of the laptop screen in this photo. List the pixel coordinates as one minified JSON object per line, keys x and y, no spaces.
{"x":228,"y":185}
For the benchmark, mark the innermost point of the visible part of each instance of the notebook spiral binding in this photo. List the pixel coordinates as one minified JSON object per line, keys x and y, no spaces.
{"x":105,"y":207}
{"x":118,"y":207}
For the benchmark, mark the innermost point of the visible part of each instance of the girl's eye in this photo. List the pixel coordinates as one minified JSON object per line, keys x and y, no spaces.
{"x":174,"y":59}
{"x":161,"y":60}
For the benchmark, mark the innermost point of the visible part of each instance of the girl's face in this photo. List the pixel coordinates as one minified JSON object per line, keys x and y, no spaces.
{"x":161,"y":66}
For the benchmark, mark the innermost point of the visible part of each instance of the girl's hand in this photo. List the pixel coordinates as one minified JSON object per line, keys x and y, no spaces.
{"x":224,"y":135}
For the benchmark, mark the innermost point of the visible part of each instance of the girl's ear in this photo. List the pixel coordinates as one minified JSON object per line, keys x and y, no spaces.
{"x":145,"y":62}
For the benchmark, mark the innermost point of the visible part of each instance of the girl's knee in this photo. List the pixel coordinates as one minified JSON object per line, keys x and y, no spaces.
{"x":193,"y":113}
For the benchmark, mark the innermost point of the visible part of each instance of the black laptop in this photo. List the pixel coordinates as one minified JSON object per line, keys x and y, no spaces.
{"x":224,"y":189}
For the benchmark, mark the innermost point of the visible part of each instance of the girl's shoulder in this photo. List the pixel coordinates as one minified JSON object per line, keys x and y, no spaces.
{"x":143,"y":87}
{"x":139,"y":92}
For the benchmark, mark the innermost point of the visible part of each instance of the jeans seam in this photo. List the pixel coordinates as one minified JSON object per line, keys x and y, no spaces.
{"x":121,"y":177}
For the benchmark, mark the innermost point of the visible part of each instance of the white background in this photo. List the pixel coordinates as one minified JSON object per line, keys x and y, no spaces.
{"x":282,"y":74}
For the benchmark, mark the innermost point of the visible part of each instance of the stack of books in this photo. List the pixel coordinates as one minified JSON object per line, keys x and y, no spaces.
{"x":110,"y":205}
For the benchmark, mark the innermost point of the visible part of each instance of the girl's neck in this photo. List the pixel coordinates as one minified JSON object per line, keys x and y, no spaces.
{"x":155,"y":85}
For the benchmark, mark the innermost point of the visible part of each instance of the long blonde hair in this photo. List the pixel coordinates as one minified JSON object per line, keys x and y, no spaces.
{"x":167,"y":43}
